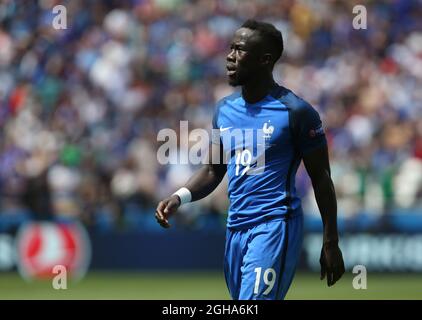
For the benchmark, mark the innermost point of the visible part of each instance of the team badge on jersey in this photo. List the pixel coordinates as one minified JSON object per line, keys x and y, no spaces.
{"x":268,"y":130}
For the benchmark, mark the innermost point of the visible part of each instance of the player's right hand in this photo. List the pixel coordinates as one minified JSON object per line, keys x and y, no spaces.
{"x":165,"y":209}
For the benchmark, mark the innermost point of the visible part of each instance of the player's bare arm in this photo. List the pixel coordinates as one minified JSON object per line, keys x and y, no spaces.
{"x":201,"y":184}
{"x":318,"y":168}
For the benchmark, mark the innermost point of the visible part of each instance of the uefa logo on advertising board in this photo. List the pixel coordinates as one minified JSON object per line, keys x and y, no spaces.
{"x":42,"y":246}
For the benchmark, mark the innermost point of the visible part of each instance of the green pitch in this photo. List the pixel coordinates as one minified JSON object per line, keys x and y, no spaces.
{"x":200,"y":285}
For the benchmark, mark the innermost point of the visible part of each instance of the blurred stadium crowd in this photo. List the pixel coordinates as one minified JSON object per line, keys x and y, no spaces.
{"x":80,"y":108}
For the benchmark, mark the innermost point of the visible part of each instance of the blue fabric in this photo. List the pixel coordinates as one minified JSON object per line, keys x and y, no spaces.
{"x":273,"y":246}
{"x":281,"y":128}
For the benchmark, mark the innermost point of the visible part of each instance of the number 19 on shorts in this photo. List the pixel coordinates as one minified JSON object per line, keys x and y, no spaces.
{"x":268,"y":277}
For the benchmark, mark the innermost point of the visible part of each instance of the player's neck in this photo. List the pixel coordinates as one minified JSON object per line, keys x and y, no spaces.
{"x":258,"y":89}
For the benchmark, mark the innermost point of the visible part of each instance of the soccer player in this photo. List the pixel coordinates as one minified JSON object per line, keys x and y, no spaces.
{"x":265,"y":220}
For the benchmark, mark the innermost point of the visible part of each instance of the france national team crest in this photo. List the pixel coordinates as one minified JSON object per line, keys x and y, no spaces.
{"x":268,"y":130}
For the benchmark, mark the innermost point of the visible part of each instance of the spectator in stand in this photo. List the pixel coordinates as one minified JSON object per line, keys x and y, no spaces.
{"x":81,"y":107}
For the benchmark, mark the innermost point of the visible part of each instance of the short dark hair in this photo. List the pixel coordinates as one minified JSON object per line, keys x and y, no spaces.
{"x":271,"y":34}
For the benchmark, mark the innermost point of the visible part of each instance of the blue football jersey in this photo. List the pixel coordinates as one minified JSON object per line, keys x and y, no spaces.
{"x":264,"y":143}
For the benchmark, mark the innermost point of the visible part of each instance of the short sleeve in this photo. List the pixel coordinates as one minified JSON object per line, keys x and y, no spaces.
{"x":307,"y":129}
{"x":215,"y":131}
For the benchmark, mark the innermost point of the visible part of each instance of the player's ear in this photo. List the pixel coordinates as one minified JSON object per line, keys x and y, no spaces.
{"x":267,"y":59}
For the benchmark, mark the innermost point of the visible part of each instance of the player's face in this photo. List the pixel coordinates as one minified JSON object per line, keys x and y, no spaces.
{"x":243,"y":60}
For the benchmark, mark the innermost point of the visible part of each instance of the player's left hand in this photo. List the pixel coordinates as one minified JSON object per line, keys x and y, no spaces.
{"x":332,"y":264}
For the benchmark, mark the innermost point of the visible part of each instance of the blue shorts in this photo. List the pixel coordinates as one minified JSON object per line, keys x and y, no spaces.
{"x":260,"y":262}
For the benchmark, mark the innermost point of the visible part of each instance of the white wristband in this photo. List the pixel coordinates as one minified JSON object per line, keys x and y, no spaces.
{"x":184,"y":195}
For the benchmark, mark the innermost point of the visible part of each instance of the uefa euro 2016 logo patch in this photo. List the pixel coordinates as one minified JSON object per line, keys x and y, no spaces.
{"x":316,"y":132}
